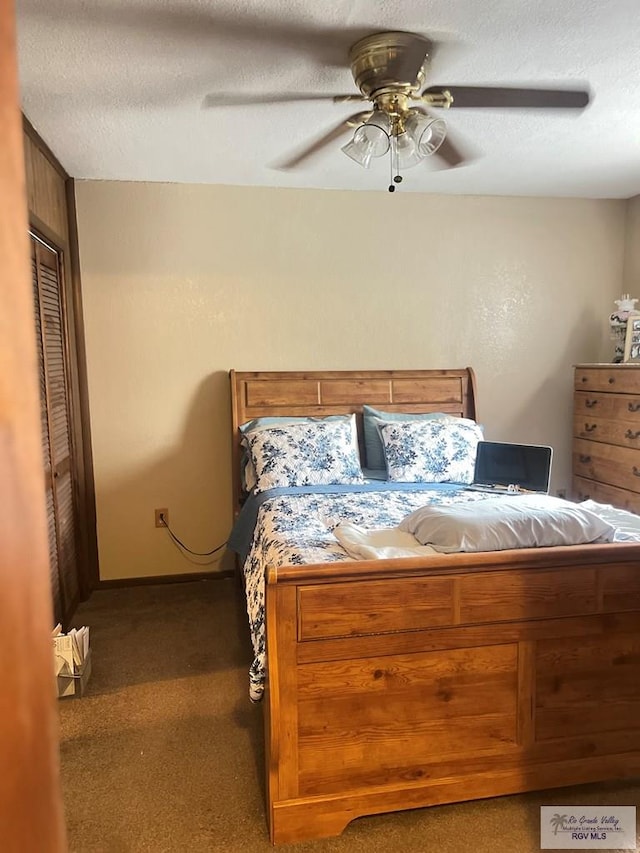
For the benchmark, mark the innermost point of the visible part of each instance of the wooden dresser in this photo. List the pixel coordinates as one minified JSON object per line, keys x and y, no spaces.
{"x":606,"y":434}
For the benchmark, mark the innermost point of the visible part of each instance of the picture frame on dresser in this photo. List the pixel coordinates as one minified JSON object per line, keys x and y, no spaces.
{"x":632,"y":338}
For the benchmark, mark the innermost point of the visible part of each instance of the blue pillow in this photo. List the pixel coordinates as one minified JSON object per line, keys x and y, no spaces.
{"x":372,"y":418}
{"x":283,"y":420}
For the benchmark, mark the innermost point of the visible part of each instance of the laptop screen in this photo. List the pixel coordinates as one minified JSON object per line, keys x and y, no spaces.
{"x":499,"y":463}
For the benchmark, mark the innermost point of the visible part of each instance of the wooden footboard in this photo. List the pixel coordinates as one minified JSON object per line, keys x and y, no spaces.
{"x":393,"y":686}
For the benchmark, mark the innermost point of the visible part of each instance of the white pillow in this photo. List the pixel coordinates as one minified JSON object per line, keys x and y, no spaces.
{"x":500,"y":523}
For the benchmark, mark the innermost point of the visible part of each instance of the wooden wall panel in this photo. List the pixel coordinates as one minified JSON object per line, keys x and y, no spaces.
{"x":621,"y":589}
{"x":355,"y":391}
{"x":498,"y":597}
{"x":588,"y":685}
{"x":438,"y":389}
{"x":46,"y":192}
{"x":443,"y":704}
{"x":372,"y":607}
{"x":274,"y":394}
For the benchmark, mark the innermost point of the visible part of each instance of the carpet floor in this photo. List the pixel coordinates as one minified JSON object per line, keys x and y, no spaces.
{"x":164,"y":751}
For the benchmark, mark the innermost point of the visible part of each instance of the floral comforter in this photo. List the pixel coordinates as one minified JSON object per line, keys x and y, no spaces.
{"x":296,"y":529}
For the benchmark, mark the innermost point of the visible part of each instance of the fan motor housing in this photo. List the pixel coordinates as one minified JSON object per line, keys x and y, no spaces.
{"x":377,"y":62}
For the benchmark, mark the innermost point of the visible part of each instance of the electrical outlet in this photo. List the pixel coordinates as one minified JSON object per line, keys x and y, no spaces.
{"x":162,"y":517}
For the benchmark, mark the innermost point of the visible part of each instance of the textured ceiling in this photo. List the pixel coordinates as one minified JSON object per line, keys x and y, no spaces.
{"x":121,"y":90}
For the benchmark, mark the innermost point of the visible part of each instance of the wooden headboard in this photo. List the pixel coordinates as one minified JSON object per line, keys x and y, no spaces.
{"x":318,"y":393}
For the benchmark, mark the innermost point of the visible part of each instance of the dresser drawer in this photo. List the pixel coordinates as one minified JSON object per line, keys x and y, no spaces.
{"x":611,"y":406}
{"x":623,"y":433}
{"x":606,"y":463}
{"x":584,"y":490}
{"x":624,"y":380}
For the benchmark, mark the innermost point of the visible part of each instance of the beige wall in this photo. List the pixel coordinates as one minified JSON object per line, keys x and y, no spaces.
{"x":632,"y":249}
{"x":182,"y":283}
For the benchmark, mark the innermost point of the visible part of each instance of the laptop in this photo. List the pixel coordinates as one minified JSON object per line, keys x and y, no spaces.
{"x":505,"y":467}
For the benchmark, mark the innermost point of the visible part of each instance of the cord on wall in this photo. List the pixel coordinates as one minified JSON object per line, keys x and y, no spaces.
{"x":181,"y":544}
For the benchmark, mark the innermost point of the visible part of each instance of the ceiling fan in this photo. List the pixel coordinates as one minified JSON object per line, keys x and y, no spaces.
{"x":389,"y":70}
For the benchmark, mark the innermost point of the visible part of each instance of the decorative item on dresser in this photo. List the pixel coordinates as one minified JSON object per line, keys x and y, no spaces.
{"x":632,"y":338}
{"x":618,"y":324}
{"x":606,"y":430}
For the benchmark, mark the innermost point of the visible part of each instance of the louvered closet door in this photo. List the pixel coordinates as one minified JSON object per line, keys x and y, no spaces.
{"x":56,"y":432}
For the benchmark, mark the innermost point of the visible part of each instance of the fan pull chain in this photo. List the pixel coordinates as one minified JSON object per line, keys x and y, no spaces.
{"x":394,"y":165}
{"x":392,"y":189}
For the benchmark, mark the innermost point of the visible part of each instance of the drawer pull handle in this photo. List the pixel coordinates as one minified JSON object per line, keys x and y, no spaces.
{"x":591,"y":427}
{"x":590,"y":403}
{"x":630,"y":434}
{"x":611,"y":380}
{"x":584,"y":497}
{"x":584,"y":379}
{"x":636,"y":471}
{"x":584,"y":458}
{"x":633,"y":407}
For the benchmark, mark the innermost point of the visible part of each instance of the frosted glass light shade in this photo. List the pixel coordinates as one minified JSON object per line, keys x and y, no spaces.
{"x":428,"y":133}
{"x":405,"y":152}
{"x":370,"y":140}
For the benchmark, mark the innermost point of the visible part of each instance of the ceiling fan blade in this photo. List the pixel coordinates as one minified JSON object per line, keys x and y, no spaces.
{"x":451,"y":153}
{"x":330,"y":136}
{"x":232,"y":99}
{"x":489,"y":96}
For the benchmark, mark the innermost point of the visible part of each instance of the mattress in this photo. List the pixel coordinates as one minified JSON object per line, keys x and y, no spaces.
{"x":287,"y":527}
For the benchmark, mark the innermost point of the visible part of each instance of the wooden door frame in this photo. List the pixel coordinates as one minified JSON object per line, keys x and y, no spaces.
{"x":84,"y":485}
{"x":31,"y":812}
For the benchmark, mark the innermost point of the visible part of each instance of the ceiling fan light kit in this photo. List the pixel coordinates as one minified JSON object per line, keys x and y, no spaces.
{"x":409,"y":137}
{"x":389,"y":69}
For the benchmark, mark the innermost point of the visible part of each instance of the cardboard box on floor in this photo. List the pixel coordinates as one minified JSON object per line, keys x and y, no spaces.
{"x":72,"y":661}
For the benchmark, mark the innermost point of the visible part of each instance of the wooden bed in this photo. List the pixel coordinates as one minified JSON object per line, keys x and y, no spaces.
{"x":407,"y":683}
